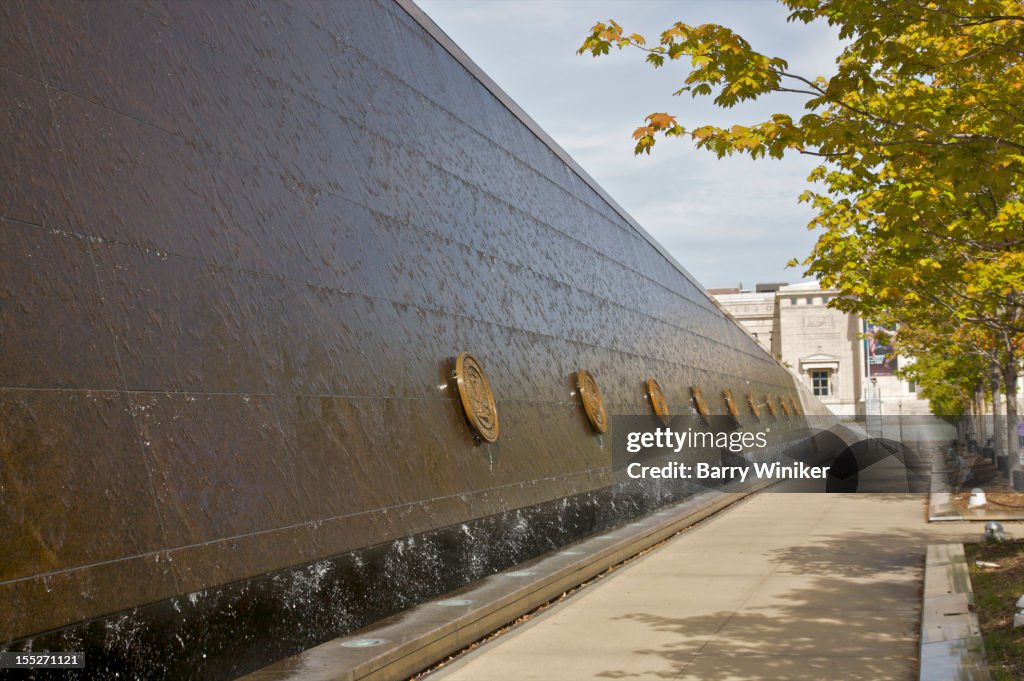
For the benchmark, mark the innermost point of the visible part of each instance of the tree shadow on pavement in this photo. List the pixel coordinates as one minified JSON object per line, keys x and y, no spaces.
{"x":842,"y":606}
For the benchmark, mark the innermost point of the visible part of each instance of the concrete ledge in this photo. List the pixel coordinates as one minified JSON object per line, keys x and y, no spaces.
{"x":416,"y":638}
{"x":940,"y":498}
{"x":951,"y":644}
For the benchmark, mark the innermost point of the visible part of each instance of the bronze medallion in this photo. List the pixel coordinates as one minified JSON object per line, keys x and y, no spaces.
{"x":755,"y":409}
{"x":593,"y":404}
{"x":477,"y":398}
{"x":702,"y":404}
{"x":730,"y":404}
{"x":658,"y":402}
{"x":771,"y":405}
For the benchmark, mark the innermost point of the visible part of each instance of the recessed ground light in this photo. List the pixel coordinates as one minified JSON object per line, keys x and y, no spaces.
{"x":570,"y":553}
{"x":520,"y":573}
{"x":994,"y":531}
{"x":362,"y":643}
{"x":454,"y":602}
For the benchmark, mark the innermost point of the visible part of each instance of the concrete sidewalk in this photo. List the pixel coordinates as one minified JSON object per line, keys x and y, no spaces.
{"x":793,"y":587}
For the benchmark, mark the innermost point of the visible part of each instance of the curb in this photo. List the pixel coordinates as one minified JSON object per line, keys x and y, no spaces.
{"x":951,"y":644}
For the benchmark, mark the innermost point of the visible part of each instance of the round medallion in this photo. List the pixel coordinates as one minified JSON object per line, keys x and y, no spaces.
{"x":700,"y":402}
{"x":658,"y":402}
{"x":477,"y":398}
{"x":592,"y":402}
{"x":730,"y":404}
{"x":754,"y":408}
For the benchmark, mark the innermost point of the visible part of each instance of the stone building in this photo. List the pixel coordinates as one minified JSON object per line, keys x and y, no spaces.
{"x":824,"y":347}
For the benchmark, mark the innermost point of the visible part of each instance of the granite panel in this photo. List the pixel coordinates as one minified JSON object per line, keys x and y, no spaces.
{"x":342,"y":453}
{"x":310,"y":348}
{"x":18,"y":53}
{"x":319,"y":57}
{"x":141,"y":185}
{"x":346,"y":246}
{"x":429,"y":343}
{"x":183,"y":325}
{"x":54,"y":331}
{"x":220,"y":465}
{"x":241,"y":112}
{"x":366,"y":28}
{"x":61,"y":598}
{"x":34,"y":182}
{"x":247,"y":30}
{"x":112,"y":54}
{"x":264,"y":210}
{"x":430,"y":57}
{"x":200,"y":566}
{"x":333,"y":342}
{"x":351,"y":81}
{"x":468,"y":281}
{"x":75,"y":486}
{"x":429,"y":471}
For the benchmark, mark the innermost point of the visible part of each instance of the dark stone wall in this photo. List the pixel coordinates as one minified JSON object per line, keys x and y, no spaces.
{"x":241,"y":244}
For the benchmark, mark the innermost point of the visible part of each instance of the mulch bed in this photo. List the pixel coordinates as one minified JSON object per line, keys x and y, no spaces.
{"x":998,"y":502}
{"x":996,"y":591}
{"x":998,"y":490}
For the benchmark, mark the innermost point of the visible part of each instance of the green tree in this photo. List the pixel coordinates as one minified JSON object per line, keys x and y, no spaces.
{"x":921,"y":135}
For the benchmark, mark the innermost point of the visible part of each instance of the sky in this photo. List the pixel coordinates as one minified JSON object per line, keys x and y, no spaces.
{"x":730,"y":222}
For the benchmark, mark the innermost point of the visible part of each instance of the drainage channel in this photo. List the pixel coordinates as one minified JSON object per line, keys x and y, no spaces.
{"x":430,"y":635}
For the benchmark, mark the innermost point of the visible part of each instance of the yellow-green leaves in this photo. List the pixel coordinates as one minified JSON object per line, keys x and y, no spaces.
{"x":918,"y":202}
{"x":656,"y":122}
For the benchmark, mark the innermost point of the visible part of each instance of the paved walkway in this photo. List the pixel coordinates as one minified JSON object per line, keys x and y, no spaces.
{"x":781,"y":587}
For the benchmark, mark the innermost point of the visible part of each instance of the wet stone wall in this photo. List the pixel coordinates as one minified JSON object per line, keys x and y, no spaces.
{"x":241,"y":245}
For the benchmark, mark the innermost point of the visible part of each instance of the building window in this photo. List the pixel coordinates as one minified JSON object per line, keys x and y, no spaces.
{"x":911,"y":387}
{"x":819,"y":382}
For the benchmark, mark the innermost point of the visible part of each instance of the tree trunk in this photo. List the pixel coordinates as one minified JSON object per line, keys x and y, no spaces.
{"x":982,"y":413}
{"x":1010,"y":384}
{"x":998,"y":429}
{"x":975,"y":435}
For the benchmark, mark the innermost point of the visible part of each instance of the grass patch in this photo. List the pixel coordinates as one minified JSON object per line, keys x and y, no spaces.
{"x":996,"y":591}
